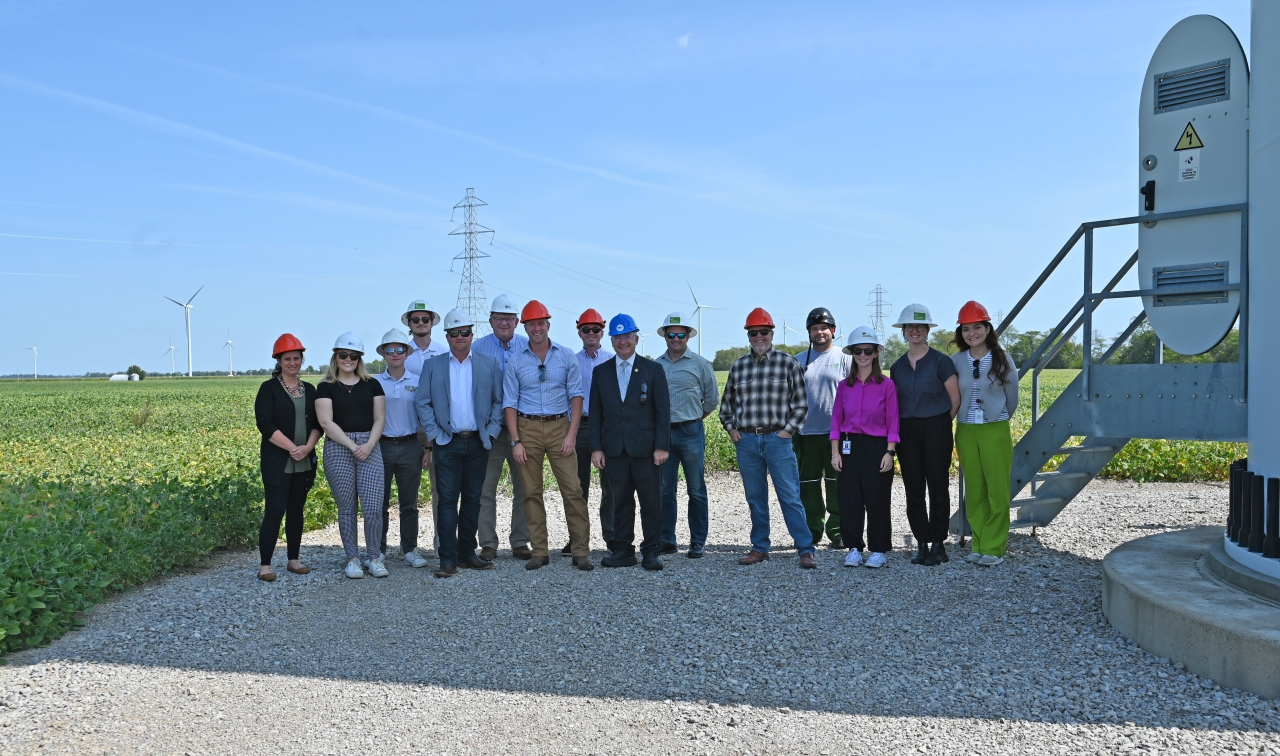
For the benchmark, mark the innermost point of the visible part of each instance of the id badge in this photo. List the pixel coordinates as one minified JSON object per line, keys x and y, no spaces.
{"x":980,"y":416}
{"x":846,"y":447}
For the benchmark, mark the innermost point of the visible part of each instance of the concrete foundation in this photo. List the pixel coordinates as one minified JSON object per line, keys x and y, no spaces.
{"x":1165,"y":593}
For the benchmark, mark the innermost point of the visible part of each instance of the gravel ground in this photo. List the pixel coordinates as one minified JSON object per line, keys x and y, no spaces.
{"x":704,"y":657}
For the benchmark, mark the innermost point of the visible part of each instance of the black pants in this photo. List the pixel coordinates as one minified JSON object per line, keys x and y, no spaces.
{"x":460,"y":470}
{"x":285,"y":499}
{"x":865,"y":493}
{"x":628,"y":477}
{"x":925,"y":457}
{"x":584,"y":480}
{"x":401,"y":462}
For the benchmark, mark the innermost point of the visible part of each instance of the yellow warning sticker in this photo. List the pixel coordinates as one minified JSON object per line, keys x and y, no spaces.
{"x":1189,"y":140}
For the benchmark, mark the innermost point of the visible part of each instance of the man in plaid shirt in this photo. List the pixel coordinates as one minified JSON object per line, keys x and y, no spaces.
{"x":763,"y":406}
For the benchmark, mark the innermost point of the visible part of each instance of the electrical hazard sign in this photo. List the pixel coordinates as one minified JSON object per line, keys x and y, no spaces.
{"x":1189,"y":140}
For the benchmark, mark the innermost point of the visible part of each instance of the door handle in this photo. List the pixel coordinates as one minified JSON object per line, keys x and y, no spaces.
{"x":1148,"y":191}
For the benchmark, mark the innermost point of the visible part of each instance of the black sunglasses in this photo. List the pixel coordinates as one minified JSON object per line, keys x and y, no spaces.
{"x":424,"y":319}
{"x":863,"y":350}
{"x":347,"y":355}
{"x":394,"y":350}
{"x":977,"y":369}
{"x":458,"y":334}
{"x":754,"y":332}
{"x":592,"y":329}
{"x":681,"y":336}
{"x":542,"y":373}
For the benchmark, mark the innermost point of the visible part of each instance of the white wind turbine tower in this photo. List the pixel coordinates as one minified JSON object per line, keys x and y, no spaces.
{"x":35,"y":364}
{"x":169,"y":352}
{"x":786,"y":328}
{"x":231,"y":364}
{"x":186,"y":309}
{"x":697,"y":310}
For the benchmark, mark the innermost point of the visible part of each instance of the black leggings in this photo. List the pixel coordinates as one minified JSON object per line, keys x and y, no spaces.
{"x":865,"y":492}
{"x":285,"y":500}
{"x":925,"y":457}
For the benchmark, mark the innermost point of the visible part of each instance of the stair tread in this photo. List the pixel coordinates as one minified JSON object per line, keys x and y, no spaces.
{"x":1084,"y":449}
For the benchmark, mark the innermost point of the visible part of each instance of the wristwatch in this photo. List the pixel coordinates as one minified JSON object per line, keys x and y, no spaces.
{"x":891,"y":452}
{"x":513,"y":443}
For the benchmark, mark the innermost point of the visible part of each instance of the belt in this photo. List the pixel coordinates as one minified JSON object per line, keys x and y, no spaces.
{"x":401,"y":439}
{"x":685,"y":424}
{"x":765,"y":430}
{"x":464,"y":434}
{"x":542,"y":418}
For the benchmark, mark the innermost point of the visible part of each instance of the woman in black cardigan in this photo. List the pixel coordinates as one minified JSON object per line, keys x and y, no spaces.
{"x":288,"y":452}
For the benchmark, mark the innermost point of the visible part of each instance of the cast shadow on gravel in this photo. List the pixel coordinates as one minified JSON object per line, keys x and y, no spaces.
{"x":1024,"y":640}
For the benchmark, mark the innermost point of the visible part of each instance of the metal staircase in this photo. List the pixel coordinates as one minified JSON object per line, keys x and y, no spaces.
{"x":1108,"y":405}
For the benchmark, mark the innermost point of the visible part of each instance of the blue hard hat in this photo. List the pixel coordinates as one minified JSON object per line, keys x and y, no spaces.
{"x":622,"y":324}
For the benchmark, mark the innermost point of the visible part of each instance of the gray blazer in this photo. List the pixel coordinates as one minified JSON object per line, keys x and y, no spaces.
{"x":992,"y":397}
{"x":433,"y":397}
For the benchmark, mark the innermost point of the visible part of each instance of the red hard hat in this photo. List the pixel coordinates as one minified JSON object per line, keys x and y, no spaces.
{"x":759,"y":318}
{"x":972,"y":312}
{"x":535,"y":310}
{"x":286,"y":343}
{"x":590,"y":316}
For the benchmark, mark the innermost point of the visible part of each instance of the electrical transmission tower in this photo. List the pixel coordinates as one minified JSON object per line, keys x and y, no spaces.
{"x":878,"y":306}
{"x":471,"y":296}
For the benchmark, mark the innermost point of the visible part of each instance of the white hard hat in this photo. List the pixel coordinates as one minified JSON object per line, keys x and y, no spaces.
{"x":677,"y":319}
{"x":350,"y":341}
{"x":458,"y":318}
{"x":420,"y":305}
{"x":394,"y":336}
{"x":505,"y":305}
{"x":915,"y":314}
{"x":861,"y":335}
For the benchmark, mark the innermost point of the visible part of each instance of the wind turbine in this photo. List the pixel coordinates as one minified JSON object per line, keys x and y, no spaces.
{"x":231,"y":364}
{"x":35,"y":366}
{"x":169,"y":352}
{"x":786,"y":328}
{"x":186,"y":309}
{"x":697,"y":310}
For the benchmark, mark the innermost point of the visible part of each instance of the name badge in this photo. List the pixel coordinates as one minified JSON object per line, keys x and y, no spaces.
{"x":846,"y":447}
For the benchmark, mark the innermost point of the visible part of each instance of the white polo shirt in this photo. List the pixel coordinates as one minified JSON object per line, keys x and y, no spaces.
{"x":402,"y":415}
{"x":413,"y":361}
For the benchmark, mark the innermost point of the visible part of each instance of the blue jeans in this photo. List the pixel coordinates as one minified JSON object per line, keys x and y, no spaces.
{"x":772,"y":456}
{"x":460,"y":470}
{"x":688,"y":449}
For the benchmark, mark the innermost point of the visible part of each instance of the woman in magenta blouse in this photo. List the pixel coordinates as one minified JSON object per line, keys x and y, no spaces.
{"x":864,"y":436}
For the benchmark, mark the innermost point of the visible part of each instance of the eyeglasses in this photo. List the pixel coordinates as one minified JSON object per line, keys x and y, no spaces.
{"x":458,"y":334}
{"x":394,"y":350}
{"x":542,"y":373}
{"x":915,"y":327}
{"x":593,"y":329}
{"x":754,"y":332}
{"x":864,"y":350}
{"x":347,"y":355}
{"x":507,"y":319}
{"x":681,"y":336}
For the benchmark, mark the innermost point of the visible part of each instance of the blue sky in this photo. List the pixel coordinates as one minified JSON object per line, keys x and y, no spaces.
{"x":301,"y":161}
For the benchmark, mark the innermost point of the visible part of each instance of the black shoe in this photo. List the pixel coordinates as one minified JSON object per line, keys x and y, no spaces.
{"x":651,"y":562}
{"x":696,"y":550}
{"x":669,"y":548}
{"x":536,"y":562}
{"x":567,"y":550}
{"x":619,"y":559}
{"x":922,"y":555}
{"x":836,"y":543}
{"x":939,"y":554}
{"x":473,"y":562}
{"x":447,"y":569}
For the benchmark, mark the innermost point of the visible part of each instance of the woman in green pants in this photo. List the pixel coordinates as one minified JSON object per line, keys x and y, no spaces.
{"x":989,"y":397}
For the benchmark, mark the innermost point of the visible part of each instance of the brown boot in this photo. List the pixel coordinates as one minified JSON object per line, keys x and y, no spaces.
{"x":522,"y":552}
{"x":536,"y":562}
{"x":754,"y":557}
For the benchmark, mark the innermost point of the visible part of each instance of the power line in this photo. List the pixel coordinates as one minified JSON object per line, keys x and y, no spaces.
{"x":471,"y":296}
{"x":878,"y":306}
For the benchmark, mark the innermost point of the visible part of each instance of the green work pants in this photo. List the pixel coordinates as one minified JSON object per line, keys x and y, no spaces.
{"x":986,"y":455}
{"x":813,"y":456}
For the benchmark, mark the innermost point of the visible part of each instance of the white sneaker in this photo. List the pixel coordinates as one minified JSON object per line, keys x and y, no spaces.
{"x":973,"y":558}
{"x":989,"y":560}
{"x":377,"y":568}
{"x":354,"y":570}
{"x":854,"y":559}
{"x":876,"y":560}
{"x":415,"y":559}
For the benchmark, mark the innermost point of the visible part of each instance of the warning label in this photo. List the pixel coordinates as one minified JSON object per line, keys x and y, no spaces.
{"x":1189,"y":166}
{"x":1189,"y":140}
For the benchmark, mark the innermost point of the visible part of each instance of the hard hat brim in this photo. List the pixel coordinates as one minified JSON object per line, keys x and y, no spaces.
{"x":915,"y":322}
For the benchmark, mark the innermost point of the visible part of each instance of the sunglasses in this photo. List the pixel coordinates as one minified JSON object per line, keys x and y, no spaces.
{"x":977,"y":369}
{"x":869,"y":351}
{"x":915,"y":327}
{"x":754,"y":332}
{"x":394,"y":350}
{"x":593,"y":329}
{"x":459,"y":334}
{"x":425,"y":319}
{"x":681,"y":336}
{"x":347,"y":355}
{"x":542,"y":373}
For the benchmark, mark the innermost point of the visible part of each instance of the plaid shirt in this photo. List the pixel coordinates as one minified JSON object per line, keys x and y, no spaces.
{"x":764,"y":392}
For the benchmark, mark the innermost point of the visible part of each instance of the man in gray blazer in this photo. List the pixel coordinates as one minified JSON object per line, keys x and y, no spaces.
{"x":459,"y":402}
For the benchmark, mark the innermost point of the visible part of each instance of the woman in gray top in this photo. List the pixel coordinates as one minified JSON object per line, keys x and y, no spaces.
{"x":928,"y":399}
{"x":989,"y":397}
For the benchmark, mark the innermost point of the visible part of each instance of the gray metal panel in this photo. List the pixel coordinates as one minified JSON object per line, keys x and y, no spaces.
{"x":1186,"y":402}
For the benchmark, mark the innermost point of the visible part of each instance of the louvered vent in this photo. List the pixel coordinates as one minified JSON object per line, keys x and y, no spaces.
{"x":1198,"y":278}
{"x":1197,"y":85}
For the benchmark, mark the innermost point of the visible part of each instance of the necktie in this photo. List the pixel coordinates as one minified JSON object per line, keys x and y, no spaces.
{"x":624,"y":377}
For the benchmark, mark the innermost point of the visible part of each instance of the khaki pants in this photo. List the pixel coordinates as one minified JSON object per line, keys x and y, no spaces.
{"x":543,"y":439}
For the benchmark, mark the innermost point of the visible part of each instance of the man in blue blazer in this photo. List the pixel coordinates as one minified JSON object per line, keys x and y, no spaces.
{"x":630,"y":432}
{"x":459,"y":402}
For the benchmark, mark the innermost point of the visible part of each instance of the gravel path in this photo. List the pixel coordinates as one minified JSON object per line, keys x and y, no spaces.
{"x":704,"y":657}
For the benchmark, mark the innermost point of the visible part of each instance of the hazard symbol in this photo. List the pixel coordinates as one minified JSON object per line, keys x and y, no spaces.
{"x":1189,"y":140}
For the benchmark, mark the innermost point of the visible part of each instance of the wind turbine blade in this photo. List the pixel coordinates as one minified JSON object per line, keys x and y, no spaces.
{"x":193,"y":296}
{"x":695,"y":296}
{"x":171,"y":299}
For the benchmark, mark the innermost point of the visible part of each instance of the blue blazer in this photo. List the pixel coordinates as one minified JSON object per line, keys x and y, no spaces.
{"x":433,"y":397}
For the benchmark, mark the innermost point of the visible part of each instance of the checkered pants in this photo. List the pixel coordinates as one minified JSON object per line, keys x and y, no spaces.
{"x":349,"y":477}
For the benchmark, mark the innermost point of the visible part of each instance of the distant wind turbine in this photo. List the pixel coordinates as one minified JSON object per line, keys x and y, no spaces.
{"x":231,"y":365}
{"x":186,"y":309}
{"x":697,"y":310}
{"x":786,"y":328}
{"x":169,"y":352}
{"x":35,"y":366}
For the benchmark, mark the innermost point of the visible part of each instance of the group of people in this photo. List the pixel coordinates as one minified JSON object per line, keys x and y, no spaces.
{"x":824,"y":426}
